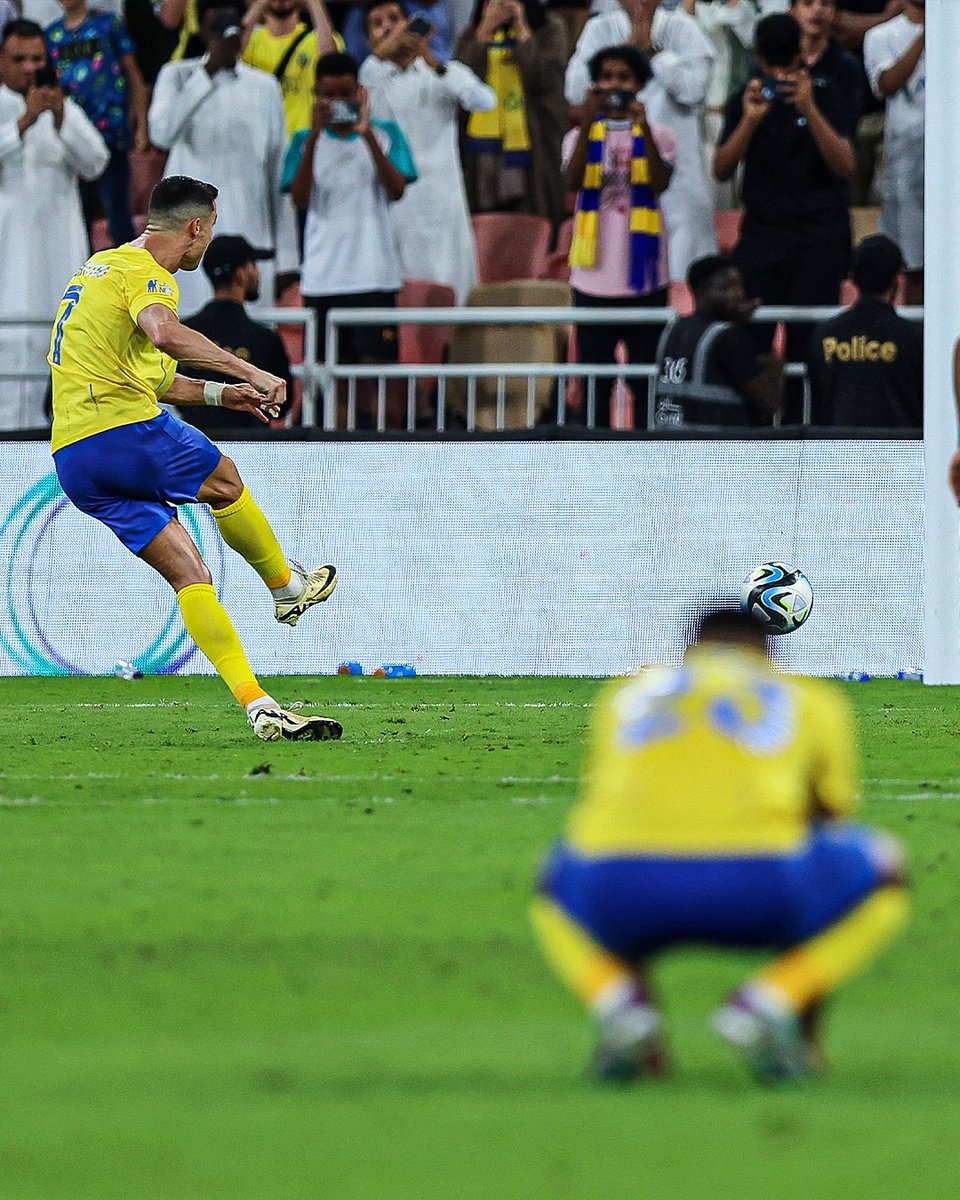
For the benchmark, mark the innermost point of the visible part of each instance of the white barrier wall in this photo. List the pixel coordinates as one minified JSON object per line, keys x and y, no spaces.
{"x":552,"y":558}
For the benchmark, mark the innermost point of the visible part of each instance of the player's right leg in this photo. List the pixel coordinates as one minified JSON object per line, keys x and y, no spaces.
{"x":174,"y":554}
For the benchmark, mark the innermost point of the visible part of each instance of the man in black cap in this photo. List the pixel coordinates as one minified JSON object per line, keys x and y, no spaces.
{"x":866,"y":365}
{"x":710,"y":373}
{"x":231,"y":266}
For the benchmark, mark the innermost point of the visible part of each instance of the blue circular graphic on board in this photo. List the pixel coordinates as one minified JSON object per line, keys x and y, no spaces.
{"x":25,"y":528}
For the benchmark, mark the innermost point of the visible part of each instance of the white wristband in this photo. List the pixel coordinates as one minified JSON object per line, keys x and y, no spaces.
{"x":213,"y":392}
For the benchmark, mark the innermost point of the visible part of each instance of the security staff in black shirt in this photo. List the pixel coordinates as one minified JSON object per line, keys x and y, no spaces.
{"x":231,"y":266}
{"x":795,"y":142}
{"x":710,"y":374}
{"x":866,"y":365}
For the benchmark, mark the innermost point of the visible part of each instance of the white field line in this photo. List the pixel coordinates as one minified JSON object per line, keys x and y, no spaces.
{"x":452,"y":705}
{"x":373,"y":777}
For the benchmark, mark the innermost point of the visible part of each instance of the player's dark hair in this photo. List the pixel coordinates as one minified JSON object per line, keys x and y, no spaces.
{"x":635,"y":59}
{"x":336,"y":65}
{"x":178,"y":199}
{"x":777,"y":40}
{"x":875,"y":265}
{"x":371,"y":5}
{"x":20,"y":28}
{"x":727,"y":623}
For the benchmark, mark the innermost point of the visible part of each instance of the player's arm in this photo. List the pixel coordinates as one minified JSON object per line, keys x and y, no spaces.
{"x":241,"y":397}
{"x":165,"y":330}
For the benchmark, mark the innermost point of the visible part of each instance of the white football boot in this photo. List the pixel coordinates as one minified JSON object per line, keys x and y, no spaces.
{"x":276,"y":724}
{"x":318,"y":586}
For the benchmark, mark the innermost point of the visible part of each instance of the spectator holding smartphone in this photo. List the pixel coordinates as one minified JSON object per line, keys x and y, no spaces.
{"x":619,"y":165}
{"x":93,"y":54}
{"x":409,"y":85}
{"x":434,"y":19}
{"x":346,"y":171}
{"x":512,"y":153}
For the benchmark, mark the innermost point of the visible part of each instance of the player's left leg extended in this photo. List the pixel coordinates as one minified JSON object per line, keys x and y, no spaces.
{"x":244,"y":527}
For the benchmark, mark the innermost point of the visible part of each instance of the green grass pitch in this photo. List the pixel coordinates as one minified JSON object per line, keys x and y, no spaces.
{"x":251,"y":972}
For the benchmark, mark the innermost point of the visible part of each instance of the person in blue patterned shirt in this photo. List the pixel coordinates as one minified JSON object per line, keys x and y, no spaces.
{"x":93,"y":54}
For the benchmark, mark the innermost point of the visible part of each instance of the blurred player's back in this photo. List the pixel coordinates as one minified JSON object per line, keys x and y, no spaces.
{"x":719,"y":757}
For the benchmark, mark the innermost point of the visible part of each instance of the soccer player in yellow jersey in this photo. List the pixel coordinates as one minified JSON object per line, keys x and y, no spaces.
{"x":120,"y":458}
{"x":714,"y":811}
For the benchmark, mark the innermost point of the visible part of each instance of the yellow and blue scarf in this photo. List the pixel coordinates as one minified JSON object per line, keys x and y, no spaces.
{"x":504,"y":129}
{"x":644,"y":214}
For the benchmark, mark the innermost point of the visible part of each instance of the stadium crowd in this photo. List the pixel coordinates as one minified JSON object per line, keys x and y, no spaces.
{"x":360,"y":146}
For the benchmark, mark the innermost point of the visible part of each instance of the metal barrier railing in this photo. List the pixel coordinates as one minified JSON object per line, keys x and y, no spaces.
{"x":332,"y":372}
{"x":329,"y":374}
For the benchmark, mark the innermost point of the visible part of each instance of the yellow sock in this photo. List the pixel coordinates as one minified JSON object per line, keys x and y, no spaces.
{"x":210,"y":627}
{"x":818,"y":966}
{"x":586,"y":968}
{"x":243,"y":526}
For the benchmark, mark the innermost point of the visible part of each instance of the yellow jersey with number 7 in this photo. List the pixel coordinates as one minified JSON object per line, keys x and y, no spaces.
{"x":106,"y":371}
{"x":722,"y":757}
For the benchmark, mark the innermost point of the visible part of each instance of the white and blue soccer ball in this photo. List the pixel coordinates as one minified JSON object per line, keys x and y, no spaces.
{"x":778,"y":596}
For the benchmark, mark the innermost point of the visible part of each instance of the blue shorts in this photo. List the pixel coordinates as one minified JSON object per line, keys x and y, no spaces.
{"x":637,"y":906}
{"x":132,"y":477}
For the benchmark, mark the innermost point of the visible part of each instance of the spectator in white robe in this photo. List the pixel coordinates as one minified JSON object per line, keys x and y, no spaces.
{"x":47,"y":144}
{"x":681,"y":59}
{"x":223,"y":122}
{"x":424,"y":97}
{"x":729,"y":25}
{"x":894,"y":55}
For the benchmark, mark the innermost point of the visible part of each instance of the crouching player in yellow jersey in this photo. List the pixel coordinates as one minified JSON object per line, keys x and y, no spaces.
{"x":120,"y":458}
{"x":714,"y":812}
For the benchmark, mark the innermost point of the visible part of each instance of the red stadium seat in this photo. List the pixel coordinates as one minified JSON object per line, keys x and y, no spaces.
{"x":511,"y":245}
